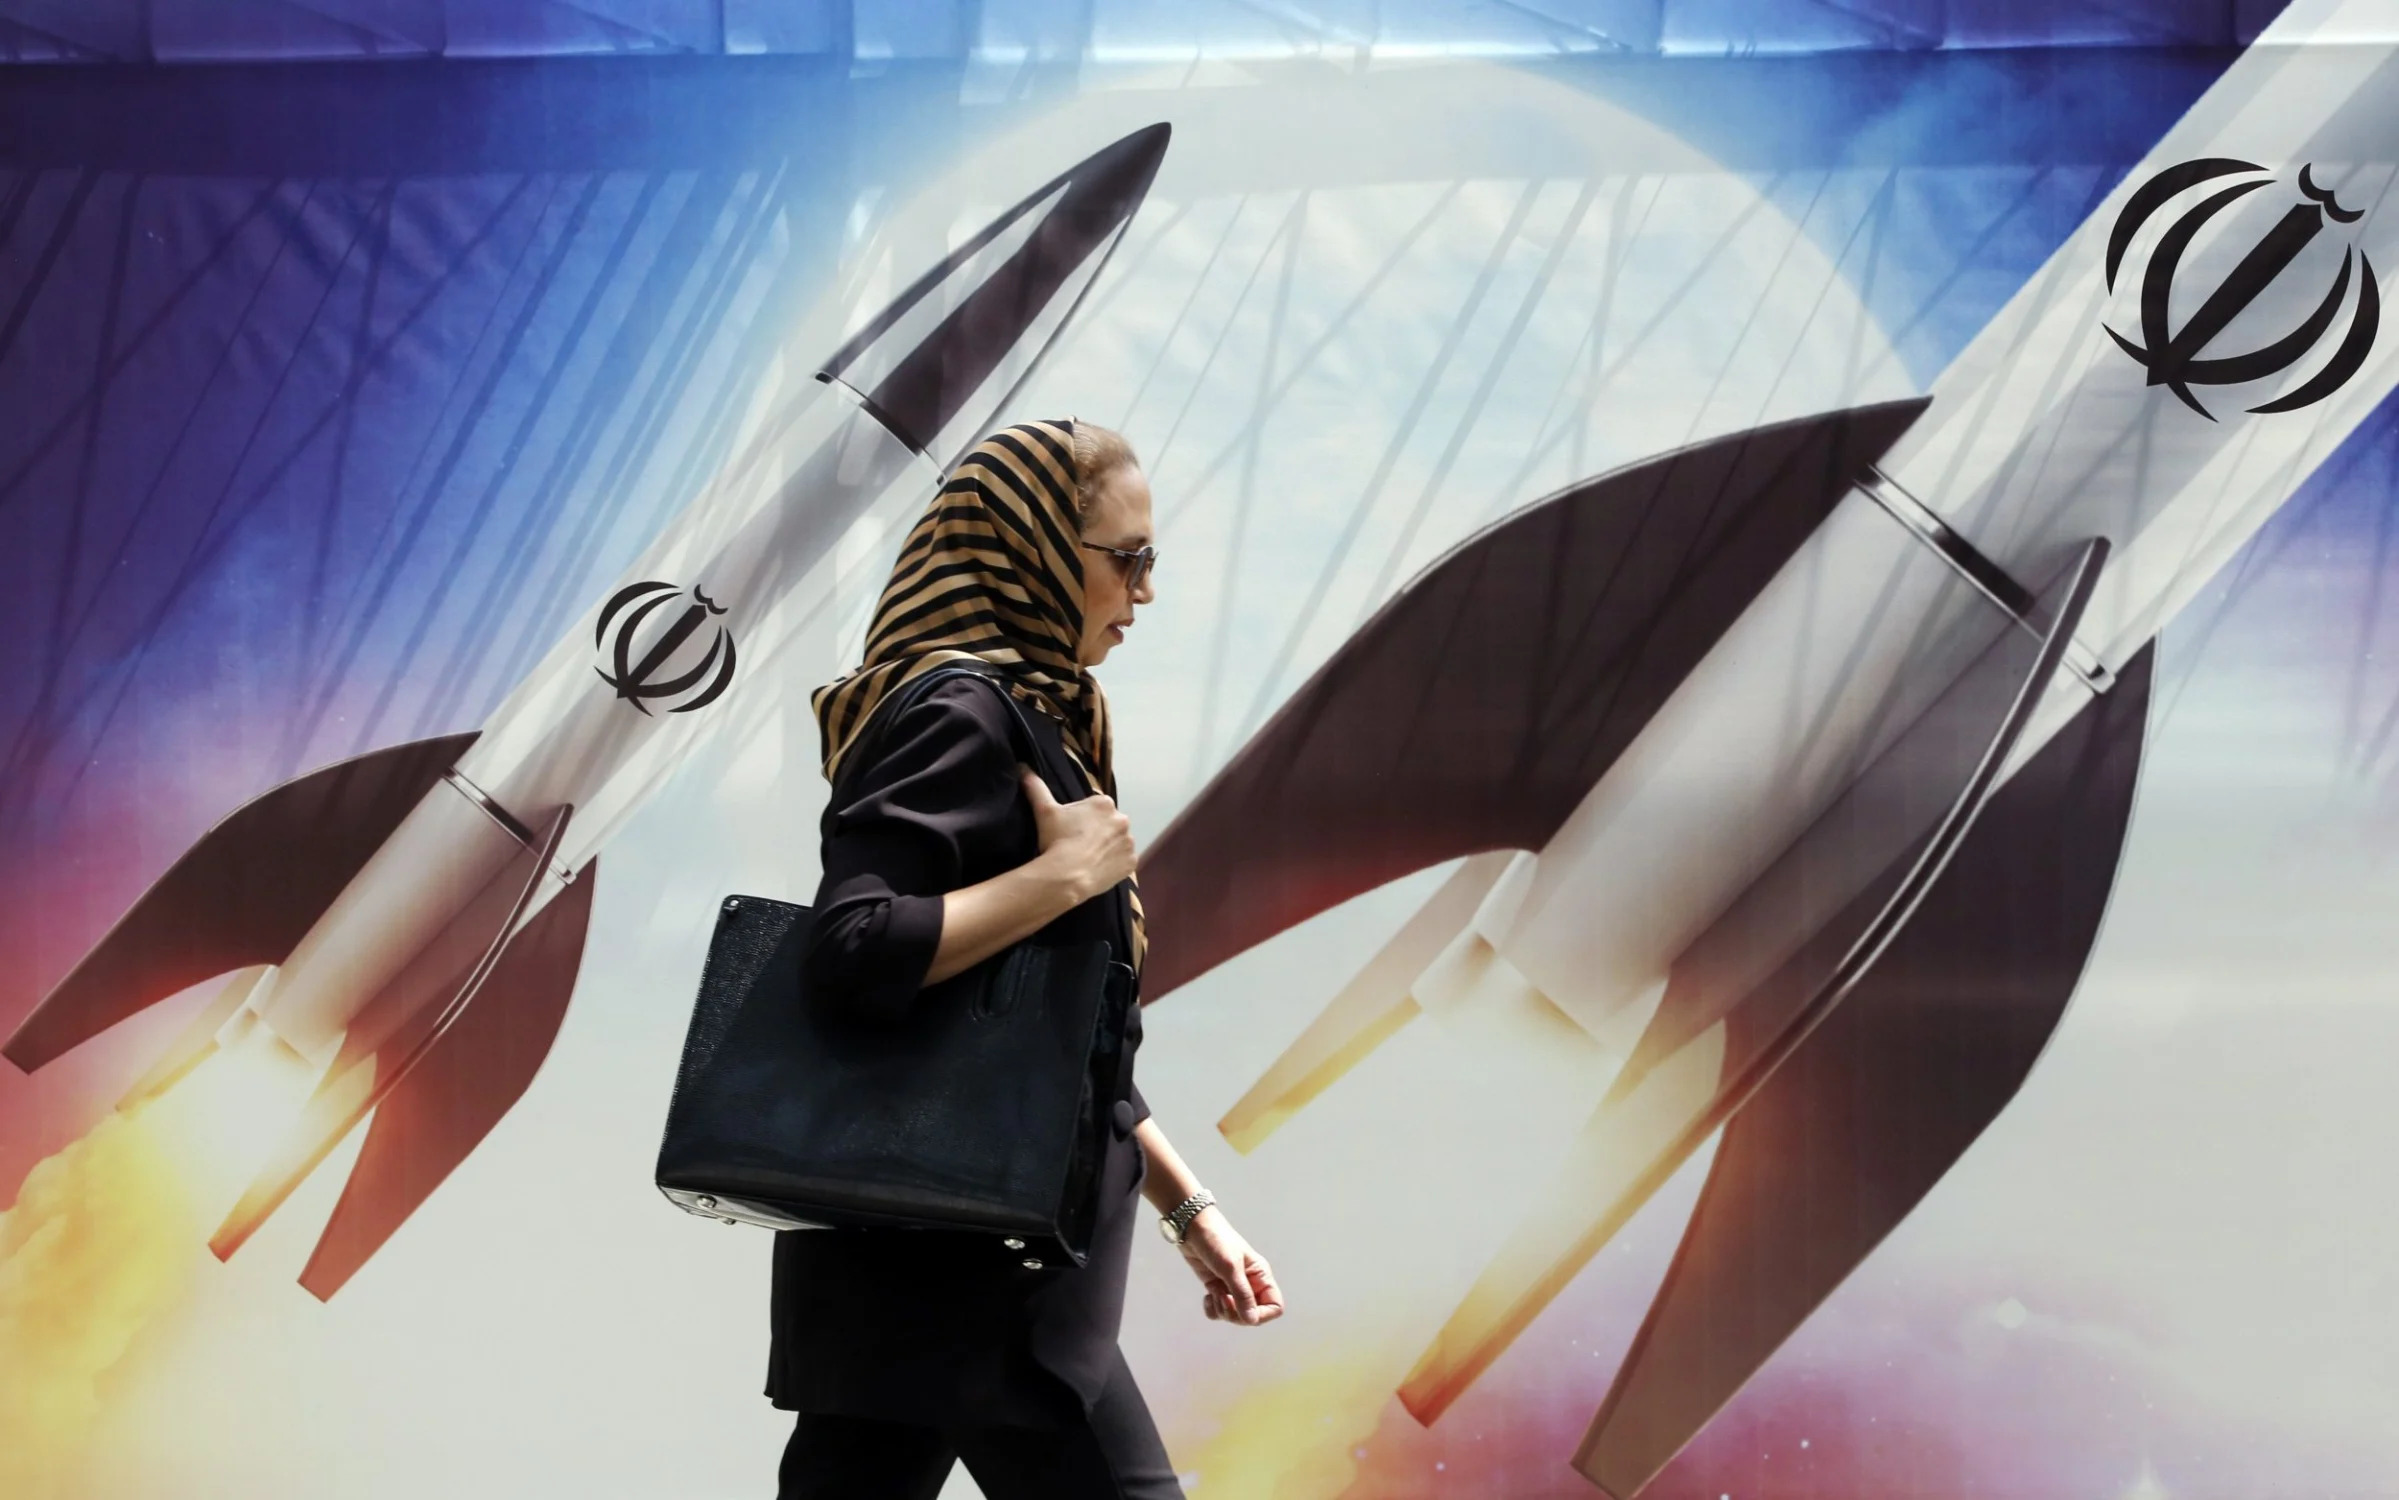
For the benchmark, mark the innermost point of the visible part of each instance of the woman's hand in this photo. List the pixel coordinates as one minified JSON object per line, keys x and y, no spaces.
{"x":1089,"y":843}
{"x":1086,"y":847}
{"x":1240,"y":1288}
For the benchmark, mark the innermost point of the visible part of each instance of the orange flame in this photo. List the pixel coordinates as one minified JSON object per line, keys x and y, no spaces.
{"x":1295,"y":1438}
{"x":99,"y":1243}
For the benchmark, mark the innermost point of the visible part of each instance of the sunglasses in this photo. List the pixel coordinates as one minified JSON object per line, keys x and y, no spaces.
{"x":1135,"y":565}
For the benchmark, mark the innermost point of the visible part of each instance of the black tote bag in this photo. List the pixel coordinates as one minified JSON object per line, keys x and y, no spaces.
{"x":985,"y":1109}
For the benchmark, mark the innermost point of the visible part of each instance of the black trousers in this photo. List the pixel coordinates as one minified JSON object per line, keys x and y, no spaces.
{"x":1114,"y":1454}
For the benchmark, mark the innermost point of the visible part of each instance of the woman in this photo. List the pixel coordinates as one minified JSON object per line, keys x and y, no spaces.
{"x":942,"y":847}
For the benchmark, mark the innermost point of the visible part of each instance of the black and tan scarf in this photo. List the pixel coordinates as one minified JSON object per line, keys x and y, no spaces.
{"x":992,"y":572}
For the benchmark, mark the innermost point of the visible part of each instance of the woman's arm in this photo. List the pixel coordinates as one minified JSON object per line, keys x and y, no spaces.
{"x":1240,"y":1286}
{"x":1086,"y":847}
{"x":943,"y":792}
{"x":1169,"y":1179}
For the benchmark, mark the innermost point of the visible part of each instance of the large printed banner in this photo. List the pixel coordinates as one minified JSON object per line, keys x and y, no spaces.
{"x":1765,"y":756}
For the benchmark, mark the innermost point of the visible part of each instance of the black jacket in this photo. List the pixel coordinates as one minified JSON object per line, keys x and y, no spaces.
{"x":924,"y":1326}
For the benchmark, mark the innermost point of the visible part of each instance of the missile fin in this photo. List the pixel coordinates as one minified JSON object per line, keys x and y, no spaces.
{"x":1480,"y":704}
{"x":243,"y":895}
{"x":1750,"y":991}
{"x":1880,"y":1101}
{"x":1368,"y":1010}
{"x":423,"y":1001}
{"x":470,"y":1076}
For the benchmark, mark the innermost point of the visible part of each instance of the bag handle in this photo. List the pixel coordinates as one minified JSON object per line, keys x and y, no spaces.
{"x":888,"y":712}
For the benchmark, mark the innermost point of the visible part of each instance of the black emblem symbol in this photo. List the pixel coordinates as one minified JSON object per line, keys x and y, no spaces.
{"x":2172,"y":356}
{"x":638,"y":682}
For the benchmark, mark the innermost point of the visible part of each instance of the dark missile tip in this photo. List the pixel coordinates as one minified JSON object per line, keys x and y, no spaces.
{"x":1118,"y":175}
{"x":1137,"y":155}
{"x":917,"y":392}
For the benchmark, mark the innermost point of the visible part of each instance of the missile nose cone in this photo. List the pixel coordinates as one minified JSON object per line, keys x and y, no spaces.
{"x":937,"y":363}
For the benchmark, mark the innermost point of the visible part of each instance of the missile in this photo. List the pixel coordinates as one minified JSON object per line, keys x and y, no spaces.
{"x":409,"y":923}
{"x":1787,"y":774}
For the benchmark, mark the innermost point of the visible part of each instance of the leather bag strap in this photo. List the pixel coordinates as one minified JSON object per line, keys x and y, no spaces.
{"x":888,"y":712}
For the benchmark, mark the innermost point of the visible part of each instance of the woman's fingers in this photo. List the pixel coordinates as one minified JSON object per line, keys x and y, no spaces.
{"x":1234,"y":1282}
{"x":1241,"y":1286}
{"x":1091,"y":834}
{"x":1237,"y":1292}
{"x":1258,"y":1298}
{"x":1263,"y":1287}
{"x":1224,"y":1300}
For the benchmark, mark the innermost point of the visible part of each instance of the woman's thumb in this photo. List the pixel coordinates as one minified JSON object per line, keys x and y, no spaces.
{"x":1036,"y":788}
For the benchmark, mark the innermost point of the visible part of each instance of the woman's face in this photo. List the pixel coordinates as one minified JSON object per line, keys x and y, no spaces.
{"x":1119,"y":517}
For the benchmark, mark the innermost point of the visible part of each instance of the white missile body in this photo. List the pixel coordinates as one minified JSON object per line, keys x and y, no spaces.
{"x":2041,"y":435}
{"x":761,"y":559}
{"x":2123,"y":426}
{"x":439,"y":911}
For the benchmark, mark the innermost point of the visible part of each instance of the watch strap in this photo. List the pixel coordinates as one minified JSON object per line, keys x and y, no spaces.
{"x":1178,"y":1219}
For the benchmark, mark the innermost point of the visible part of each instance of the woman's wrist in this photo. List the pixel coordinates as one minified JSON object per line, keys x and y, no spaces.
{"x":1176,"y":1222}
{"x":1068,"y":884}
{"x":1167,"y":1181}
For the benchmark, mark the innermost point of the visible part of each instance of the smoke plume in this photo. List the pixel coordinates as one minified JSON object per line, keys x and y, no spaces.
{"x":98,"y":1243}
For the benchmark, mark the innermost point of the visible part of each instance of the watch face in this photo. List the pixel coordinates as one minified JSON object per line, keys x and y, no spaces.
{"x":1166,"y":1228}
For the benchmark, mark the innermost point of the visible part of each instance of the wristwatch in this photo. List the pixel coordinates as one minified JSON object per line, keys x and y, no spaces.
{"x":1179,"y":1218}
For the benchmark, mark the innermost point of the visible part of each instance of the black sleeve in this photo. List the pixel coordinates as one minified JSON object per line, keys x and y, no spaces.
{"x":939,"y":797}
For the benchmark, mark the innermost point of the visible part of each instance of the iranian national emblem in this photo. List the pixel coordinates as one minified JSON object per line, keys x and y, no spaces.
{"x":2179,"y":358}
{"x":651,"y":658}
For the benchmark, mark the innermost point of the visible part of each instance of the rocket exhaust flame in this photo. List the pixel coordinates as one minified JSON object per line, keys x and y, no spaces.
{"x":102,"y":1240}
{"x":1297,"y":1437}
{"x":198,"y":1041}
{"x":97,"y":1246}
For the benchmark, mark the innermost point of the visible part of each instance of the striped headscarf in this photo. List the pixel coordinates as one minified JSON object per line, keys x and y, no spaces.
{"x":992,"y":572}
